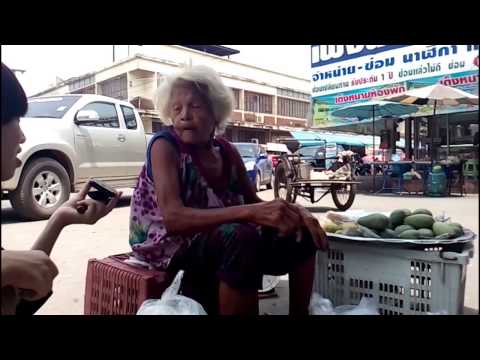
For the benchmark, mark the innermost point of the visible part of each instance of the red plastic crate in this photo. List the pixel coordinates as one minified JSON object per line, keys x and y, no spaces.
{"x":116,"y":288}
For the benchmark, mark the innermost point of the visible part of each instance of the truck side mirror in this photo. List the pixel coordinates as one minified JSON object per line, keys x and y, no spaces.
{"x":85,"y":116}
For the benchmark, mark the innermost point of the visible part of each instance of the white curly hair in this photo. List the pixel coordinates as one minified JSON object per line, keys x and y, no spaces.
{"x":208,"y":82}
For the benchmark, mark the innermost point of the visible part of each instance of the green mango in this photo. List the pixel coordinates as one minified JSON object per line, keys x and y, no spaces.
{"x":388,"y":234}
{"x":368,"y":233}
{"x":402,"y":228}
{"x":419,"y":221}
{"x":440,"y":228}
{"x":459,"y":227}
{"x":374,"y":221}
{"x":397,"y":217}
{"x":422,"y":211}
{"x":409,"y":234}
{"x":425,"y":234}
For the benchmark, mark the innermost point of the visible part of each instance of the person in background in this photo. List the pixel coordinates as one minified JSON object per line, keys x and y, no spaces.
{"x":27,"y":275}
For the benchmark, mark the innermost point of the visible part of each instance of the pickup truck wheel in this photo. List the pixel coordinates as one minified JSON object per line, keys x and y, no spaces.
{"x":258,"y":182}
{"x":43,"y":187}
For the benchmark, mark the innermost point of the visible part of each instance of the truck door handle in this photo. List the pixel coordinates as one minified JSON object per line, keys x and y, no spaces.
{"x":121,"y":138}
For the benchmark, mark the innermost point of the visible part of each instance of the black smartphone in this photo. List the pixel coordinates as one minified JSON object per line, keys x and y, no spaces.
{"x":102,"y":192}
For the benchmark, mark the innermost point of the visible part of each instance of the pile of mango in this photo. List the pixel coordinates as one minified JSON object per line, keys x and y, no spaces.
{"x":401,"y":224}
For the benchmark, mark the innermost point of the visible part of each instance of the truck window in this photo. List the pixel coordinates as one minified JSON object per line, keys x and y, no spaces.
{"x":107,"y":114}
{"x":50,"y":107}
{"x":129,"y":116}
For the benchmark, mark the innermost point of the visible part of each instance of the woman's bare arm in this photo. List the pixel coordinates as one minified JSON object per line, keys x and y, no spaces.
{"x":179,"y":218}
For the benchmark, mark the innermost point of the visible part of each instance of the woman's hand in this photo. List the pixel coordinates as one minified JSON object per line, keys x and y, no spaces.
{"x":278,"y":214}
{"x":311,"y":223}
{"x":91,"y":210}
{"x":30,"y":270}
{"x":288,"y":219}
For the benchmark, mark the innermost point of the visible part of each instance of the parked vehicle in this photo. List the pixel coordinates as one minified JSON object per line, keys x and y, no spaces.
{"x":71,"y":138}
{"x":275,"y":151}
{"x":313,"y":155}
{"x":259,"y":166}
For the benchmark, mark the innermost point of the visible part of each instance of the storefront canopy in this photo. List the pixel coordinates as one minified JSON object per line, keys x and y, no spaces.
{"x":312,"y":138}
{"x":309,"y":138}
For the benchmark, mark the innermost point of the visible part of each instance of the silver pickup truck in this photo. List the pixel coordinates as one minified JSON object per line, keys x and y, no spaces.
{"x":71,"y":138}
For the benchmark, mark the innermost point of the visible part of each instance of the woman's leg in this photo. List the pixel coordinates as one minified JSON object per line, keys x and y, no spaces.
{"x":285,"y":255}
{"x":237,"y":302}
{"x":300,"y":287}
{"x":222,"y":270}
{"x":239,"y":272}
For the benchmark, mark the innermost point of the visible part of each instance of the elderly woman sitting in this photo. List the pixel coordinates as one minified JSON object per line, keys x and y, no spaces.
{"x":195,"y":209}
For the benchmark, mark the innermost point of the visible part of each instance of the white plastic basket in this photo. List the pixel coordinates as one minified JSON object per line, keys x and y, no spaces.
{"x":402,"y":281}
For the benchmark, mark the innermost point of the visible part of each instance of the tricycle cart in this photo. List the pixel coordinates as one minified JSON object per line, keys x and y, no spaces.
{"x":293,"y":178}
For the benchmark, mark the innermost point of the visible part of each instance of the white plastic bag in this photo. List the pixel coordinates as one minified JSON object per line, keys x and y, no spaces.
{"x":322,"y":306}
{"x":367,"y":306}
{"x":171,"y":303}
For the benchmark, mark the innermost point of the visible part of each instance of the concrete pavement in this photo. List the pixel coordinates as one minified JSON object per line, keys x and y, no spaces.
{"x":109,"y":236}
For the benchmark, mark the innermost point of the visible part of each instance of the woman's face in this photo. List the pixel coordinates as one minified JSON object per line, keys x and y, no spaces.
{"x":12,"y":137}
{"x":192,"y":117}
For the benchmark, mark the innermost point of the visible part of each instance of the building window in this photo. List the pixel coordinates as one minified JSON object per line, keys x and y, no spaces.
{"x":293,"y":94}
{"x":106,"y":113}
{"x":81,"y":83}
{"x":115,"y":88}
{"x":236,"y":98}
{"x":87,"y":90}
{"x":129,"y":116}
{"x":259,"y":103}
{"x":292,"y":108}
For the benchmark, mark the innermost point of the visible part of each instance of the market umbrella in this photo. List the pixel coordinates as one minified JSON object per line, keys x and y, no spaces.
{"x":437,"y":94}
{"x":370,"y":109}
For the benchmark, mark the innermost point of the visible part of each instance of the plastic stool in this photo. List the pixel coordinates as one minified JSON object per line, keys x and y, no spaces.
{"x":116,"y":288}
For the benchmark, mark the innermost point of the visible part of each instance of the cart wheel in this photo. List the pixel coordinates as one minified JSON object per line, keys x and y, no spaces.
{"x":294,"y":195}
{"x":281,"y":186}
{"x":343,"y":195}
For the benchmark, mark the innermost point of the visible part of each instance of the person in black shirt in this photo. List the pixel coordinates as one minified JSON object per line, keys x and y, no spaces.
{"x":27,"y":276}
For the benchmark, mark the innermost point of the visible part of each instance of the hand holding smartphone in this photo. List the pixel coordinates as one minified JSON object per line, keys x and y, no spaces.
{"x":102,"y":192}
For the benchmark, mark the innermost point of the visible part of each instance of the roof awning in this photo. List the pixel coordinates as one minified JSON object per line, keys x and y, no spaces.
{"x":309,"y":138}
{"x":364,"y":126}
